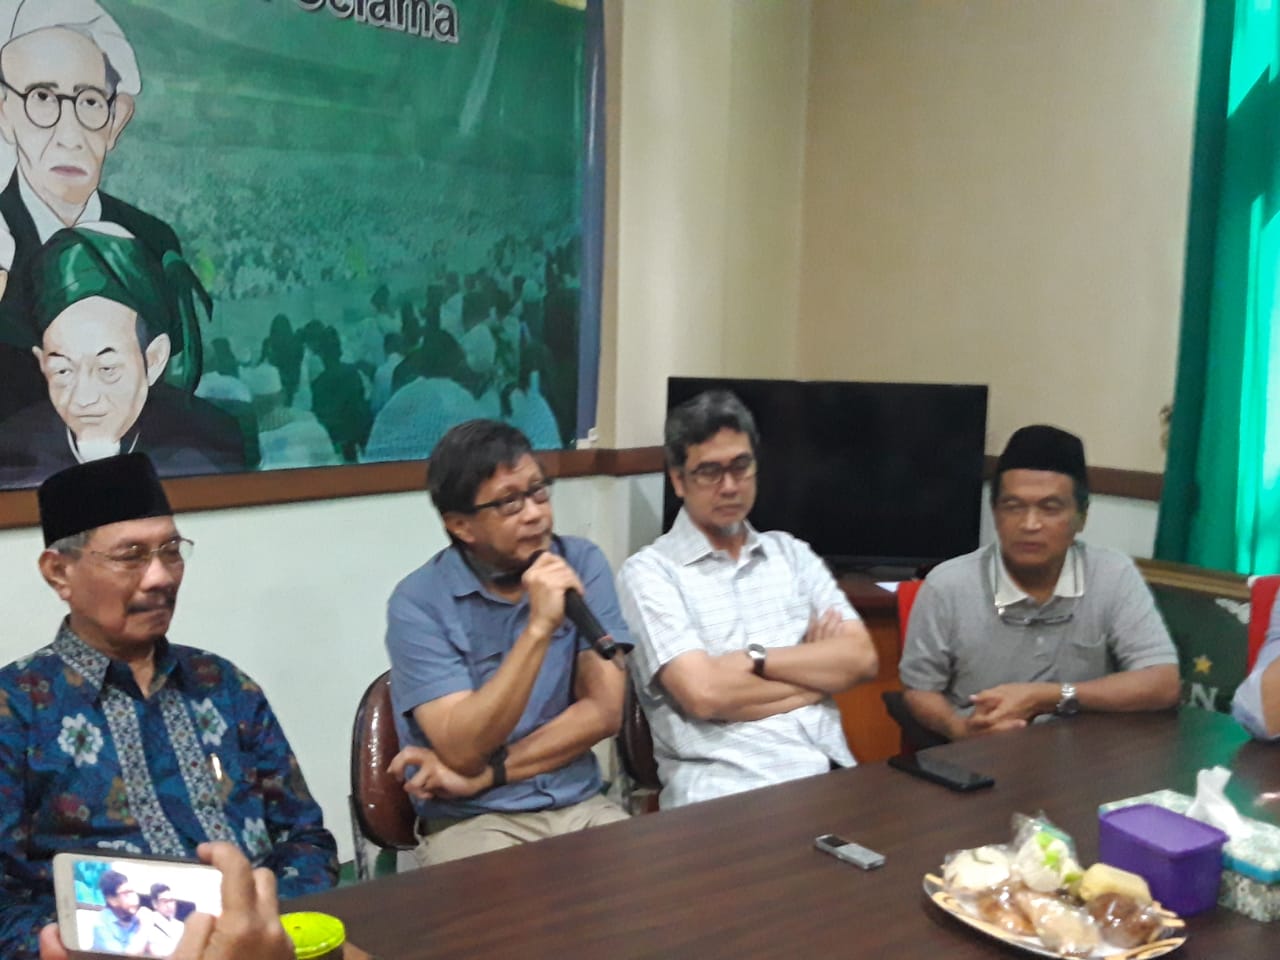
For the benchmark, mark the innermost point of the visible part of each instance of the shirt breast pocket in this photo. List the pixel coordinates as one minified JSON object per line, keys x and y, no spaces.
{"x":1087,"y":657}
{"x":485,"y":655}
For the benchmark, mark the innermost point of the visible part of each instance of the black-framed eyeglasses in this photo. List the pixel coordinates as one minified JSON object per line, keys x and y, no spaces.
{"x":513,"y":503}
{"x":44,"y":106}
{"x":712,"y":474}
{"x":136,"y":558}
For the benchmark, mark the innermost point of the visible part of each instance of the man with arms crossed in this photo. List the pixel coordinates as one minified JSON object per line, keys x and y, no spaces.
{"x":498,"y":699}
{"x":113,"y":737}
{"x":1038,"y":623}
{"x":741,"y":637}
{"x":1257,"y":701}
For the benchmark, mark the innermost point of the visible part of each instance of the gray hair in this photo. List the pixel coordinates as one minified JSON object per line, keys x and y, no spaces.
{"x":73,"y":543}
{"x":701,"y":418}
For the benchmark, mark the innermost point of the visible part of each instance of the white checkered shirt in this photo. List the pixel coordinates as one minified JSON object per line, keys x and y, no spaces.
{"x":678,"y":595}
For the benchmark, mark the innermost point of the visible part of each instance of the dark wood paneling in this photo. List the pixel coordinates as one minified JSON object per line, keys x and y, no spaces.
{"x":221,"y":491}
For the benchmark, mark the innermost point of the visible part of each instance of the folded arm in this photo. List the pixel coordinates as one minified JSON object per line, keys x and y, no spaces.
{"x":834,"y":655}
{"x":595,"y":714}
{"x":725,"y":687}
{"x":466,"y":727}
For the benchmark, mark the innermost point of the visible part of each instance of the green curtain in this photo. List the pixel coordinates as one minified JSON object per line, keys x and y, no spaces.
{"x":1221,"y":501}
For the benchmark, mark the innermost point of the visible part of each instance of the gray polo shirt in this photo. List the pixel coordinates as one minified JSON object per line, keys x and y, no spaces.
{"x":1100,"y":620}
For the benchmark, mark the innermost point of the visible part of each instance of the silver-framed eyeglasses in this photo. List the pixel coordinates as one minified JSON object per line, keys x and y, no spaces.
{"x":136,"y":558}
{"x":712,"y":474}
{"x":513,"y":503}
{"x":1008,"y":616}
{"x":44,"y":105}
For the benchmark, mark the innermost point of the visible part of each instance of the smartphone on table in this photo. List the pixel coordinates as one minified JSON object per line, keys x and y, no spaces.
{"x":950,"y":775}
{"x":129,"y":906}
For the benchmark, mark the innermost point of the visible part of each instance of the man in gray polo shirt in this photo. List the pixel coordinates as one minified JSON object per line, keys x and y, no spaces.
{"x":1038,"y":623}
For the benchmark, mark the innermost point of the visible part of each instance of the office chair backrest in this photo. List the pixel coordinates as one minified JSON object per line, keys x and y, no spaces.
{"x":380,"y":809}
{"x":635,"y":742}
{"x":1262,"y":598}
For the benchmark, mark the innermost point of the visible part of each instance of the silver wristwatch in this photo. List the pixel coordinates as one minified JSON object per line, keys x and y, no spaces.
{"x":757,"y":654}
{"x":1068,"y":704}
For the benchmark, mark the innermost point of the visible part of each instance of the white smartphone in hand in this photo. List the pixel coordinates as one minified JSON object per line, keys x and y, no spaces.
{"x":129,"y":906}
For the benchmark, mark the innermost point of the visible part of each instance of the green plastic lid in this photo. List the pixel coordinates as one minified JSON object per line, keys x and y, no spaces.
{"x":314,"y":934}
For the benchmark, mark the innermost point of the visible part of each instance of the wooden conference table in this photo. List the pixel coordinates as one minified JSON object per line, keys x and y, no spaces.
{"x":738,"y":877}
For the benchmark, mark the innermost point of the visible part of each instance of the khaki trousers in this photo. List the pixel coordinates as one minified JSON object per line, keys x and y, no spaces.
{"x":494,"y":831}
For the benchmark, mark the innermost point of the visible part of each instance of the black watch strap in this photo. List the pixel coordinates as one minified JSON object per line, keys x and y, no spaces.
{"x":498,"y":764}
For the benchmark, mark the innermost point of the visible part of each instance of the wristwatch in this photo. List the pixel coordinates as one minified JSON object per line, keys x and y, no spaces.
{"x":1068,"y":705}
{"x":757,"y":654}
{"x":498,"y":764}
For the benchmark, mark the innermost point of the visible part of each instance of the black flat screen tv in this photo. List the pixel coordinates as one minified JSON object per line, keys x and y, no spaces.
{"x":869,"y":474}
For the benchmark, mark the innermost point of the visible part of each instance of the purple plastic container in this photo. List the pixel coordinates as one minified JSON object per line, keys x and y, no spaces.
{"x":1180,"y":858}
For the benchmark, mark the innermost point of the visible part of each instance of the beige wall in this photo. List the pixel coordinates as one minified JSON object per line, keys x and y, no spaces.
{"x":995,"y":192}
{"x":706,"y":155}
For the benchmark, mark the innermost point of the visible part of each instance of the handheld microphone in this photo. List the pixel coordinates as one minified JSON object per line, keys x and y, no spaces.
{"x":580,"y":615}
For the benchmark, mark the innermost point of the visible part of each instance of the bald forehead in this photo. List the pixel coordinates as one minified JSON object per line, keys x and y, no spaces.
{"x":57,"y":56}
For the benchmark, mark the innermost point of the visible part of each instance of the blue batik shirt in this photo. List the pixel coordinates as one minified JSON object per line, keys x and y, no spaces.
{"x":86,"y":761}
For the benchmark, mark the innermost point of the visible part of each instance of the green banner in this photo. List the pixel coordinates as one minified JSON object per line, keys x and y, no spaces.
{"x":263,"y":234}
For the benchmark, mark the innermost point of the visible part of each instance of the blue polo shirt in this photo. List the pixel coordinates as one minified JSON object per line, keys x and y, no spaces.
{"x":447,"y":633}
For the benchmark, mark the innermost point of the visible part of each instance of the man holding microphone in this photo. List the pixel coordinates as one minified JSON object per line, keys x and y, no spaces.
{"x":499,"y":696}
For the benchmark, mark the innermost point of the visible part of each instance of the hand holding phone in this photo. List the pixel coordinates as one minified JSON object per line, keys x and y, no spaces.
{"x":950,"y":775}
{"x":117,"y":906}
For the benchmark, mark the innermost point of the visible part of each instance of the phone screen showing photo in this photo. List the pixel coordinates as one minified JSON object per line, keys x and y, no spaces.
{"x":132,"y":907}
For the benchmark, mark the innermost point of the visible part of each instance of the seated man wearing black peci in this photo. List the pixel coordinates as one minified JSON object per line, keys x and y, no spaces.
{"x":1038,"y":623}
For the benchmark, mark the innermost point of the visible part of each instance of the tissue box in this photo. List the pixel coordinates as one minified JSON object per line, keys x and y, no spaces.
{"x":1180,"y":858}
{"x":1251,"y":874}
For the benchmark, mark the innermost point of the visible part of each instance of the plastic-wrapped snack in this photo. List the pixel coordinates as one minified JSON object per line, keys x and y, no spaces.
{"x":1104,"y":878}
{"x":1044,"y":857}
{"x":1124,"y":921}
{"x":970,"y":871}
{"x":998,"y":907}
{"x":1063,"y":928}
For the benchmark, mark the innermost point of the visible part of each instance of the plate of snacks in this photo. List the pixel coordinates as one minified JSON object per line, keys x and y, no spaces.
{"x":1033,"y":894}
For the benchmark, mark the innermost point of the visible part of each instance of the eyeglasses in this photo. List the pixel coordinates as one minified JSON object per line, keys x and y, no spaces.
{"x":136,"y":558}
{"x":44,"y":106}
{"x":513,"y":503}
{"x":1014,"y":620}
{"x":712,"y":474}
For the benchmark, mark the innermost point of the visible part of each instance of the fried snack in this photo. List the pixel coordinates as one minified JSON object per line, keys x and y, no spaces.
{"x":1061,"y":927}
{"x":1103,"y":878}
{"x":1124,"y":921}
{"x":997,"y":906}
{"x":971,"y":871}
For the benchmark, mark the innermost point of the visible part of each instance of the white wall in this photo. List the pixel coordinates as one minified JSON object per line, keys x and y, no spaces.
{"x":996,"y":192}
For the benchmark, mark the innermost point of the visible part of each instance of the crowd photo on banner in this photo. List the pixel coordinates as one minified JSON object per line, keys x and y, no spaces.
{"x":283,"y":240}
